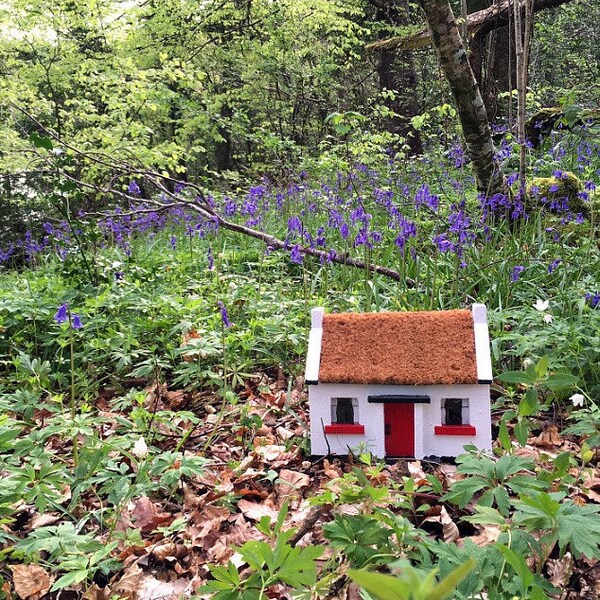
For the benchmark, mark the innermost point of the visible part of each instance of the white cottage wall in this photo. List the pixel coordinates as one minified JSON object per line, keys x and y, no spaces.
{"x":371,"y":415}
{"x":479,"y":417}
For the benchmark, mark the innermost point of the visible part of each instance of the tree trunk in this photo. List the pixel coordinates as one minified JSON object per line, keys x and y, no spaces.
{"x":481,"y":22}
{"x":396,"y":73}
{"x":471,"y":109}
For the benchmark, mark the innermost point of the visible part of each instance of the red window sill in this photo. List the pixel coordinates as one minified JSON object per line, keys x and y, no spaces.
{"x":455,"y":430}
{"x":345,"y":428}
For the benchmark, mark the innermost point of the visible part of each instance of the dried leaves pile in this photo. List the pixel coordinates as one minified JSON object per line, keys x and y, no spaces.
{"x":255,"y":467}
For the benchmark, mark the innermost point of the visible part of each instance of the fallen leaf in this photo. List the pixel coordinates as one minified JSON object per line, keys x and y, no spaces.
{"x":560,"y":570}
{"x":330,"y":471}
{"x":129,"y":584}
{"x":449,"y":528}
{"x":43,"y":520}
{"x":255,"y":511}
{"x":291,"y":482}
{"x":270,"y":452}
{"x":154,"y":589}
{"x":146,"y":516}
{"x":488,"y":535}
{"x":548,"y":438}
{"x":30,"y":581}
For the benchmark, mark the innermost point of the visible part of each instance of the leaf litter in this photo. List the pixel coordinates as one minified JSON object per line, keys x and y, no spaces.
{"x":253,"y":472}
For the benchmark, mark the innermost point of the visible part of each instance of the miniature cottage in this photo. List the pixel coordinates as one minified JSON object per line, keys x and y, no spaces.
{"x":411,"y":384}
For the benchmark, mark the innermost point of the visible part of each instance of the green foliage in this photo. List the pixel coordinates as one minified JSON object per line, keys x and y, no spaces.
{"x":364,"y":540}
{"x":494,"y":479}
{"x":282,"y":563}
{"x":412,"y":583}
{"x":575,"y":528}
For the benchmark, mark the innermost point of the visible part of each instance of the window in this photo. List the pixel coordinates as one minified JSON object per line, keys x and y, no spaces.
{"x":344,"y":410}
{"x":455,"y":418}
{"x":344,"y":417}
{"x":455,"y":411}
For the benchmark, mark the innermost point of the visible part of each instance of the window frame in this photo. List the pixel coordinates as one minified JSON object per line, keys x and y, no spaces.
{"x":462,"y":428}
{"x":341,"y":427}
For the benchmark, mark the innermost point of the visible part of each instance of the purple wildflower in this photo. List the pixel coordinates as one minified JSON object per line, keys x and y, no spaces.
{"x":516,"y":273}
{"x":134,"y":188}
{"x":552,"y":266}
{"x":224,"y":315}
{"x":62,"y":314}
{"x":593,"y":299}
{"x":296,"y":256}
{"x":76,"y":321}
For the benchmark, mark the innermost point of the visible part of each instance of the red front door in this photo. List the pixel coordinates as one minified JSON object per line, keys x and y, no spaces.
{"x":399,"y":419}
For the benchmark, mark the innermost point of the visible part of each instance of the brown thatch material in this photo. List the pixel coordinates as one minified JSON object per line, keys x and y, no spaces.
{"x":410,"y":348}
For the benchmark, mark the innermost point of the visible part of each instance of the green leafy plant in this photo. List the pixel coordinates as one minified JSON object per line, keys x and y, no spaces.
{"x":410,"y":583}
{"x":495,"y":479}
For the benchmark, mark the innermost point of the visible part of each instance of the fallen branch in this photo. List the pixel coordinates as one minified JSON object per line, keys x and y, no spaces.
{"x":478,"y":23}
{"x":167,"y":200}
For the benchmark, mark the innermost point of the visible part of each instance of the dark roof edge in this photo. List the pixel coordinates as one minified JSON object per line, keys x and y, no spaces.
{"x":398,"y":399}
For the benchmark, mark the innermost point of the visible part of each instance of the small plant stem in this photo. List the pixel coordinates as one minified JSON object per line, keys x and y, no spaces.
{"x":434,"y":279}
{"x":72,"y":392}
{"x":213,"y":433}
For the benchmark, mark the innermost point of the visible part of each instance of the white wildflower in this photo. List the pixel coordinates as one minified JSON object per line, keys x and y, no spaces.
{"x":577,"y":399}
{"x":541,"y":305}
{"x":140,"y":449}
{"x":548,"y":318}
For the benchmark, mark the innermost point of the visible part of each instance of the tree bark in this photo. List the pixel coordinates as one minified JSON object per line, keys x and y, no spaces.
{"x":481,"y":22}
{"x":397,"y":73}
{"x":469,"y":104}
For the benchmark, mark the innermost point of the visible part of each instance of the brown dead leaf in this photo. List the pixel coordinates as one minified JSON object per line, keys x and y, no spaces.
{"x":548,"y":438}
{"x":270,"y":452}
{"x":449,"y":528}
{"x":129,"y":584}
{"x":284,"y":434}
{"x":154,"y":589}
{"x":30,"y":581}
{"x":146,"y":515}
{"x":43,"y":520}
{"x":96,"y":593}
{"x":291,"y":482}
{"x":488,"y":535}
{"x":255,"y":512}
{"x":330,"y":470}
{"x":175,"y":399}
{"x":560,"y":570}
{"x":170,"y":552}
{"x":5,"y":589}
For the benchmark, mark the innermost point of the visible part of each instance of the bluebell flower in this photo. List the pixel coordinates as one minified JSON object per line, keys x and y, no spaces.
{"x":344,"y":231}
{"x":134,"y":188}
{"x":62,"y":314}
{"x":516,"y":273}
{"x":76,"y":321}
{"x":224,"y":315}
{"x":552,"y":266}
{"x":296,"y":256}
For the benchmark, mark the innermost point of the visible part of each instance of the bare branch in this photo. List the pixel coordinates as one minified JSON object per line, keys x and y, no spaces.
{"x":167,"y":200}
{"x":478,"y":23}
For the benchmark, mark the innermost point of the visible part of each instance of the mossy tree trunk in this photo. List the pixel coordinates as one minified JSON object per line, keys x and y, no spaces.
{"x":470,"y":107}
